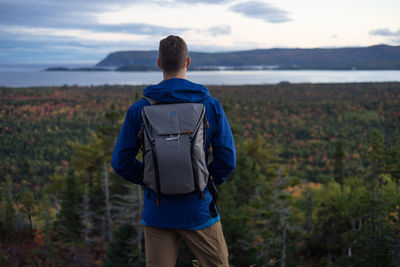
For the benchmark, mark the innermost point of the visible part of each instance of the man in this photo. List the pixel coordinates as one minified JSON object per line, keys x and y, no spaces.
{"x":186,"y":217}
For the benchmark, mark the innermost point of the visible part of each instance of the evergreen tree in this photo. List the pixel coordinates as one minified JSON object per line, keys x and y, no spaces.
{"x":348,"y":230}
{"x":7,"y":210}
{"x":274,"y":215}
{"x":128,"y":210}
{"x":28,"y":201}
{"x":375,"y":153}
{"x":234,"y":202}
{"x":393,"y":168}
{"x":44,"y":214}
{"x":331,"y":223}
{"x":88,"y":164}
{"x":69,"y":219}
{"x":120,"y":252}
{"x":338,"y":171}
{"x":92,"y":162}
{"x":108,"y":134}
{"x":393,"y":157}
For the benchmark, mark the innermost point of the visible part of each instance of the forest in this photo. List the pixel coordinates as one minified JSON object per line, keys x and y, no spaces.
{"x":316,"y":183}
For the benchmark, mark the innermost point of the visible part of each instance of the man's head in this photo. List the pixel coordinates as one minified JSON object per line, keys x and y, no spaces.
{"x":173,"y":55}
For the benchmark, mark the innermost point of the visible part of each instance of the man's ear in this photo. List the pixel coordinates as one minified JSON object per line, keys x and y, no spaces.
{"x":159,"y":63}
{"x":188,"y":60}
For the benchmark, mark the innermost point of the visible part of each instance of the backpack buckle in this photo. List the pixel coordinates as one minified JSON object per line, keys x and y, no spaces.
{"x":172,"y":137}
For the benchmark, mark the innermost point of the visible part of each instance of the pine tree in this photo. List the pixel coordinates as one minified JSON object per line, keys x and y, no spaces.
{"x":120,"y":252}
{"x":376,"y":156}
{"x":128,"y":210}
{"x":92,"y":162}
{"x":69,"y":219}
{"x":44,"y":213}
{"x":329,"y":224}
{"x":234,"y":199}
{"x":7,"y":210}
{"x":338,"y":171}
{"x":393,"y":157}
{"x":107,"y":136}
{"x":274,"y":215}
{"x":376,"y":153}
{"x":393,"y":168}
{"x":28,"y":201}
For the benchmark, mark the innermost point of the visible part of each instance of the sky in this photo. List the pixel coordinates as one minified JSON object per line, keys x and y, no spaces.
{"x":85,"y":31}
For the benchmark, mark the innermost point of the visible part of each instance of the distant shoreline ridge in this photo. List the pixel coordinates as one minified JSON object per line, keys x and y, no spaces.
{"x":377,"y":57}
{"x":149,"y":68}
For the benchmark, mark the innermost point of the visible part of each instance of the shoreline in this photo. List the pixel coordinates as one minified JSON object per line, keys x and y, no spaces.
{"x":283,"y":84}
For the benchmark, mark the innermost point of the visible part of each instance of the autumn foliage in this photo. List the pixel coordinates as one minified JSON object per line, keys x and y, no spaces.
{"x":317,"y":182}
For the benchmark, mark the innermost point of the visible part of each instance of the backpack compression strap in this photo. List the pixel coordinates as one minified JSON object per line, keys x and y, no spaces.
{"x":214,"y":193}
{"x":157,"y":174}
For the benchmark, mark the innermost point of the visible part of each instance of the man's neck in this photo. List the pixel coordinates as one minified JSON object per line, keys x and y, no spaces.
{"x":179,"y":75}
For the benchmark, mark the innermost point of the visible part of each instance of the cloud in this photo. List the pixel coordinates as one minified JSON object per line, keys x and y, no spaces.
{"x":47,"y":12}
{"x":260,"y":10}
{"x":68,"y":30}
{"x":203,"y":1}
{"x":56,"y":49}
{"x":135,"y":28}
{"x":16,"y":47}
{"x":219,"y":30}
{"x":385,"y":32}
{"x":212,"y":32}
{"x":391,"y":36}
{"x":72,"y":14}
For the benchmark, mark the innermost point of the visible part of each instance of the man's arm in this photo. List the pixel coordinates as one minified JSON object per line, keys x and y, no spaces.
{"x":125,"y":151}
{"x":223,"y":147}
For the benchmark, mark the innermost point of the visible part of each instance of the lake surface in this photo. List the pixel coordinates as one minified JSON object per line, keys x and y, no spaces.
{"x":32,"y":75}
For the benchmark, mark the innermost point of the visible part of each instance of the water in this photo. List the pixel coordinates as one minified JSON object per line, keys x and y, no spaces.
{"x":33,"y":75}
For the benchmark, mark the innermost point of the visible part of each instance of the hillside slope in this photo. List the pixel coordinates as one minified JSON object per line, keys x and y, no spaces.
{"x":373,"y":57}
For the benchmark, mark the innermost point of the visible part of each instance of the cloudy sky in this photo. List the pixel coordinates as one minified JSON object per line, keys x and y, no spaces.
{"x":35,"y":31}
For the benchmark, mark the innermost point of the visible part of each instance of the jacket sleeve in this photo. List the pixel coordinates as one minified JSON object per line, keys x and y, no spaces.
{"x":125,"y":151}
{"x":223,"y":148}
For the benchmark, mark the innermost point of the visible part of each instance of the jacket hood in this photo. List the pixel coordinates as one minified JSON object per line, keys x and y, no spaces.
{"x":177,"y":90}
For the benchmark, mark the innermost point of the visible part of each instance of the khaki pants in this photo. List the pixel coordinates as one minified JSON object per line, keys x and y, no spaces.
{"x":208,"y":245}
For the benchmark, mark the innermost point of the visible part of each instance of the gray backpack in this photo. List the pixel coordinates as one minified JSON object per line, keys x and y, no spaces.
{"x":173,"y":139}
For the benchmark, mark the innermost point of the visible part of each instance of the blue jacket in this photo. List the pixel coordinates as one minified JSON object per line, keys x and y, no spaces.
{"x":188,"y":211}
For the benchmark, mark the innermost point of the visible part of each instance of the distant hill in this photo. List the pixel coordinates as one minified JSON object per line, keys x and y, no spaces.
{"x":368,"y":58}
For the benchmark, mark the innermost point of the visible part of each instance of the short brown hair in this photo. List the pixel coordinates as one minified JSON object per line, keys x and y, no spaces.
{"x":172,"y":54}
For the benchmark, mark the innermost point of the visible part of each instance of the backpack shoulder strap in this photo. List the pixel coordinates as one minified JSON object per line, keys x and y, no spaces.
{"x":151,"y":101}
